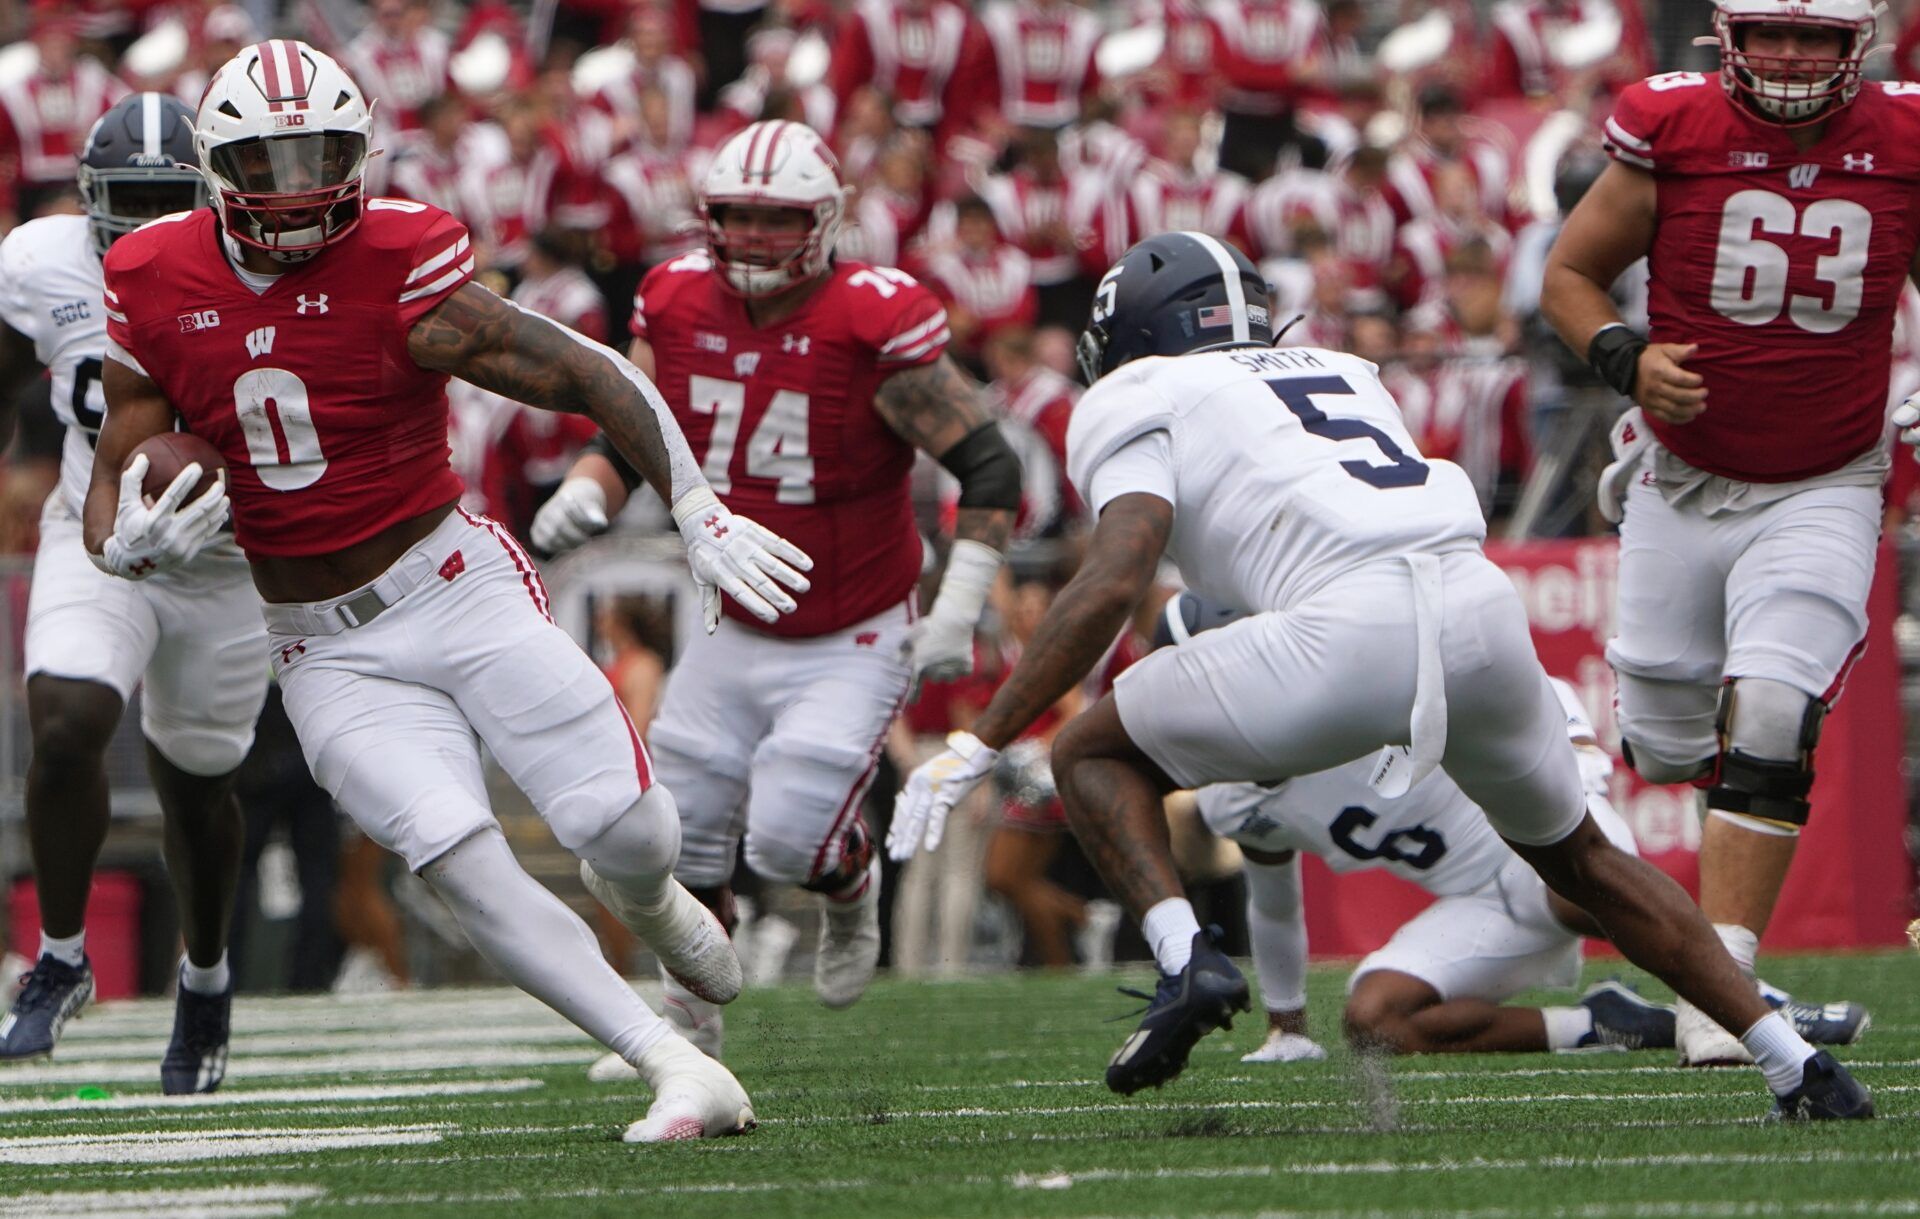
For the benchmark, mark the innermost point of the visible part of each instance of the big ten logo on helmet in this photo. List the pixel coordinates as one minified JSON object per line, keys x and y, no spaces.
{"x":289,"y":120}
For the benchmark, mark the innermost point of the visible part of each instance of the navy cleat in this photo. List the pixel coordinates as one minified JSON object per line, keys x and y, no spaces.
{"x":1820,"y":1023}
{"x":54,"y":994}
{"x":1184,"y":1008}
{"x":196,"y":1058}
{"x":1826,"y":1093}
{"x":1622,"y":1020}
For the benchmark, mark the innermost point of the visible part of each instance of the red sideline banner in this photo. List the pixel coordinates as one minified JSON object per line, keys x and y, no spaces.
{"x":1850,"y":881}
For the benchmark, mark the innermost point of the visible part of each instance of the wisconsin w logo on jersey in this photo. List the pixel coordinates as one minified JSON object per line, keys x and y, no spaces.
{"x":260,"y":342}
{"x":1800,"y":177}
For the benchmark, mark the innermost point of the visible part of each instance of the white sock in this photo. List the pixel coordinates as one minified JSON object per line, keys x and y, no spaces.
{"x":1779,"y":1051}
{"x":1566,"y":1026}
{"x":68,"y":950}
{"x":1169,"y":928}
{"x":1742,"y":944}
{"x":206,"y":980}
{"x":542,"y":947}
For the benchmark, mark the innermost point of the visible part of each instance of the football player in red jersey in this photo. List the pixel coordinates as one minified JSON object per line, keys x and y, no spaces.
{"x":308,"y":334}
{"x":808,"y":382}
{"x":1776,"y":208}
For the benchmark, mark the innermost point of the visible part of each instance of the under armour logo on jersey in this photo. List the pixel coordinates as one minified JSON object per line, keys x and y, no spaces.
{"x":455,"y":564}
{"x":796,"y":344}
{"x":745,"y":363}
{"x":317,"y":304}
{"x":1800,"y":177}
{"x":1857,"y":163}
{"x":260,"y":342}
{"x":296,"y":648}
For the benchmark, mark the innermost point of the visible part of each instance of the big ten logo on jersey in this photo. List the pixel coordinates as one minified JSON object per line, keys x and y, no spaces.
{"x":199,"y":319}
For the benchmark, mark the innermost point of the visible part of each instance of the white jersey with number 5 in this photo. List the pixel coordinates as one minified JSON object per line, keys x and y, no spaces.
{"x":50,"y":292}
{"x":1285,"y":467}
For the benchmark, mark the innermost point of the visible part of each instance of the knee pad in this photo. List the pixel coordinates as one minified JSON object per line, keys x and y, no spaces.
{"x":641,"y":844}
{"x":1768,"y":731}
{"x":1656,"y":769}
{"x":206,"y":750}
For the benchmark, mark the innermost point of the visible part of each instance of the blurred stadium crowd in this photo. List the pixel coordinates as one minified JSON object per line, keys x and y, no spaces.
{"x":1398,"y":168}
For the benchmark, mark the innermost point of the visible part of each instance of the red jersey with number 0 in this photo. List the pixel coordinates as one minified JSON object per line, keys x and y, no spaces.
{"x":1784,"y":266}
{"x":784,"y":421}
{"x":330,"y":430}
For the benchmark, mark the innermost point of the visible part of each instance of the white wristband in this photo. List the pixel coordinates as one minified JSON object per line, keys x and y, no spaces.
{"x":971,"y":567}
{"x":693,"y":503}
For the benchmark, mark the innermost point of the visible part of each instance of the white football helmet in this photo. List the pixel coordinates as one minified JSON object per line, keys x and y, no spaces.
{"x":774,"y":164}
{"x":1829,"y":83}
{"x":282,"y":135}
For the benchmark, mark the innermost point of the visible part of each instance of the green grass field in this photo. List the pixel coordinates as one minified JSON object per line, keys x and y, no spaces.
{"x":977,"y":1097}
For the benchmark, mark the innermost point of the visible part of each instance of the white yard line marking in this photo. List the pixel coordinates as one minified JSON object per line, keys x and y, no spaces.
{"x":315,"y":1041}
{"x":270,"y":1096}
{"x":227,"y":1202}
{"x":163,"y":1147}
{"x":453,"y":1058}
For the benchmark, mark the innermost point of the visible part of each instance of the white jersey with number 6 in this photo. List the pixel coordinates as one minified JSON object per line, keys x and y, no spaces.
{"x":1289,"y":466}
{"x":50,"y":292}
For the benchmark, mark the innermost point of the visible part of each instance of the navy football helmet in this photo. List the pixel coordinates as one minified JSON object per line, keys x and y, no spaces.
{"x":1173,"y":294}
{"x":139,"y":164}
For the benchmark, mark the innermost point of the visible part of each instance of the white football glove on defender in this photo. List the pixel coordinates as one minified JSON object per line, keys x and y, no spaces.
{"x":734,"y":555}
{"x":1286,"y":1047}
{"x":940,"y":646}
{"x":1906,"y":417}
{"x":575,"y":512}
{"x":934,"y":787}
{"x":149,"y":539}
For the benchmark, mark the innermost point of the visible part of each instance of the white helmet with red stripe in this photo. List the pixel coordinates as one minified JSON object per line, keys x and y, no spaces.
{"x":774,"y":164}
{"x":1788,"y":90}
{"x":282,"y":135}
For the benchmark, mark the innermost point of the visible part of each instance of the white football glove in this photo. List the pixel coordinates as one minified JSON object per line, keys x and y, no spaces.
{"x":1286,"y":1047}
{"x":1906,"y":417}
{"x":734,"y":555}
{"x":935,"y":786}
{"x":159,"y":537}
{"x":576,"y":511}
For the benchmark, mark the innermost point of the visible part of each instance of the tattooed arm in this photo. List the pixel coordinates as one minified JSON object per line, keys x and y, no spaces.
{"x":936,"y":409}
{"x":1080,"y":625}
{"x":493,"y":343}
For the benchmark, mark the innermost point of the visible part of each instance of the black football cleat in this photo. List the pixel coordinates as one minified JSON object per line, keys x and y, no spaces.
{"x":54,"y":994}
{"x":1822,"y":1023}
{"x":1184,"y":1008}
{"x":1622,"y":1020}
{"x":1826,"y":1093}
{"x":196,"y":1059}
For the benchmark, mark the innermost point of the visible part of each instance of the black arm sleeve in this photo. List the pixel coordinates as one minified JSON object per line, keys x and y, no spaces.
{"x":629,"y":476}
{"x":988,"y":471}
